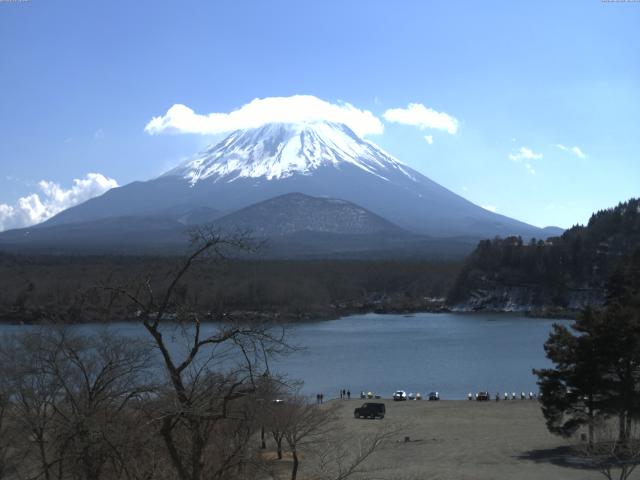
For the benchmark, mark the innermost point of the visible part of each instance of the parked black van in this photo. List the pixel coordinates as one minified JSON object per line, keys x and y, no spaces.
{"x":370,"y":410}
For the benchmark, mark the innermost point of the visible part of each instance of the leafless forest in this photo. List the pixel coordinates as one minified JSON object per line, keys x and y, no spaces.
{"x":108,"y":407}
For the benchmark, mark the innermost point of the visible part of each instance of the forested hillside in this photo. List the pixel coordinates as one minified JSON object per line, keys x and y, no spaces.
{"x":565,"y":272}
{"x":75,"y":288}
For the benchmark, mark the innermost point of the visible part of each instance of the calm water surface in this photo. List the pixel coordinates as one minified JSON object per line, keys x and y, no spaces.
{"x":450,"y":353}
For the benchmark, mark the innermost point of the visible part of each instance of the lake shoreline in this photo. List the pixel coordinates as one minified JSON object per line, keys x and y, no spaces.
{"x":38,"y":317}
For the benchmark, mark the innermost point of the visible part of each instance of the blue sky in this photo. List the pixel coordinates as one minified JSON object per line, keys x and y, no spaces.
{"x":80,"y":81}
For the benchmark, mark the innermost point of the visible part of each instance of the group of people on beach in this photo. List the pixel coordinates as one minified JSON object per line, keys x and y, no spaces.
{"x":344,"y":395}
{"x":523,"y":396}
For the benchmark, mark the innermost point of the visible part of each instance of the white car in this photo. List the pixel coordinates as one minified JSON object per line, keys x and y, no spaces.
{"x":400,"y":395}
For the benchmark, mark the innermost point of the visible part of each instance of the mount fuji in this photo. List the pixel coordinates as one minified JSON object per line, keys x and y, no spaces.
{"x":318,"y":159}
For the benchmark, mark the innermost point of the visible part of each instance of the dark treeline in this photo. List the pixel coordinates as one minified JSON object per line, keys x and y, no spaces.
{"x":552,"y":271}
{"x":32,"y":287}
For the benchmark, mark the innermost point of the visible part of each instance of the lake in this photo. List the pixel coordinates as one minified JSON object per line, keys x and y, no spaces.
{"x":452,"y":353}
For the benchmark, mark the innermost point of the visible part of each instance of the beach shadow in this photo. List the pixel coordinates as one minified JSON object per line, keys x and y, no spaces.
{"x":564,"y":456}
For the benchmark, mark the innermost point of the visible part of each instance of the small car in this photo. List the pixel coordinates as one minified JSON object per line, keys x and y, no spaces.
{"x":400,"y":395}
{"x":434,"y":396}
{"x":370,"y":410}
{"x":483,"y":396}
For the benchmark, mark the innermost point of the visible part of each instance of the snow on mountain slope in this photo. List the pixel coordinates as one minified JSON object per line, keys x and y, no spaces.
{"x":276,"y":151}
{"x":320,"y":159}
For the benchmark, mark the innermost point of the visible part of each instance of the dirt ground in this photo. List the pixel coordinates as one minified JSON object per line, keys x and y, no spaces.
{"x":465,"y":440}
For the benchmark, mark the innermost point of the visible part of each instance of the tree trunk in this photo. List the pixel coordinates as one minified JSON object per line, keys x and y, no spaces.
{"x":279,"y":447}
{"x":622,"y":428}
{"x":43,"y":457}
{"x":263,"y":444}
{"x":197,"y":447}
{"x":294,"y":470}
{"x":591,"y":420}
{"x":167,"y":436}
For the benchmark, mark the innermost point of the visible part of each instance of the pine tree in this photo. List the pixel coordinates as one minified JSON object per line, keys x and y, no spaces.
{"x":597,"y":361}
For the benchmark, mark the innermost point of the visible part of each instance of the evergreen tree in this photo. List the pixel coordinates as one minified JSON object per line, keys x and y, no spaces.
{"x":572,"y":391}
{"x":597,"y":361}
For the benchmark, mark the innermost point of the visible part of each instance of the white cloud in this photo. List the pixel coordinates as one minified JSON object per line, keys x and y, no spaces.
{"x":578,"y":153}
{"x":574,"y":150}
{"x":298,"y":108}
{"x":491,"y":208}
{"x":429,"y":139}
{"x":422,"y":117}
{"x":52,"y":199}
{"x":524,"y":153}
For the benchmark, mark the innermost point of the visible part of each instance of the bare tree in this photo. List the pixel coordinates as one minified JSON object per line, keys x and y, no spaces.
{"x":99,"y":377}
{"x":217,"y":369}
{"x":33,"y":396}
{"x":277,"y":422}
{"x":6,"y":434}
{"x":340,"y":457}
{"x":304,"y":425}
{"x":270,"y":392}
{"x":70,"y":398}
{"x":83,"y":408}
{"x":608,"y":454}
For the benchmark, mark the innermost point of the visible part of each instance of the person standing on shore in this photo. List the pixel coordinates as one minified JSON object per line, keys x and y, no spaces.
{"x":341,"y":396}
{"x":348,"y":394}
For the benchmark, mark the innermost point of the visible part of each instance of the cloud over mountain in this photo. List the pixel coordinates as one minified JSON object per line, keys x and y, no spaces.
{"x":52,"y":199}
{"x":261,"y":111}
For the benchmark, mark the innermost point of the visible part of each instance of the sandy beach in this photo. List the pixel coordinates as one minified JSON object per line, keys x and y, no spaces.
{"x":464,"y":440}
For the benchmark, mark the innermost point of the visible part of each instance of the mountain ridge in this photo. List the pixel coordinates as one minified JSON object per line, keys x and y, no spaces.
{"x":319,"y":159}
{"x":296,"y":212}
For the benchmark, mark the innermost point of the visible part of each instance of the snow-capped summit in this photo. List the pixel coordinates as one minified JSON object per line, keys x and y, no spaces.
{"x":315,"y":158}
{"x":280,"y":150}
